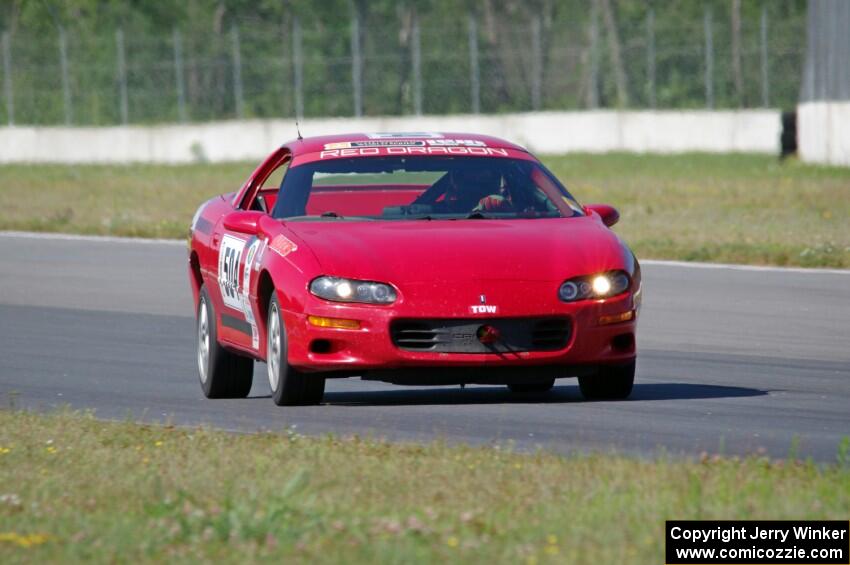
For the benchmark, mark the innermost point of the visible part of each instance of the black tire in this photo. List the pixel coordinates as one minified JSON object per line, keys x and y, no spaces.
{"x":289,"y":386}
{"x":223,"y":374}
{"x":612,"y":382}
{"x":525,"y":388}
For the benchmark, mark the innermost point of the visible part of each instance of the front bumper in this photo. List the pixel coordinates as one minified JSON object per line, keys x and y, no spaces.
{"x":370,"y":348}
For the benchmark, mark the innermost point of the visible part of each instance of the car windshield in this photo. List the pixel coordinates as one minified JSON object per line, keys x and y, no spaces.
{"x":422,"y":188}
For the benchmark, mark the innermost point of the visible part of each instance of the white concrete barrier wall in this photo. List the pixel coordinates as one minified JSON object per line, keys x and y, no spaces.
{"x":823,"y":132}
{"x":542,"y":132}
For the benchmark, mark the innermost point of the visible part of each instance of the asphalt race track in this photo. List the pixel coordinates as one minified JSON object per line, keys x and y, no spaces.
{"x":732,"y":360}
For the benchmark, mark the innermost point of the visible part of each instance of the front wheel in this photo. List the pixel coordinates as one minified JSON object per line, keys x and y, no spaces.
{"x":289,"y":386}
{"x":223,"y":374}
{"x":612,"y":382}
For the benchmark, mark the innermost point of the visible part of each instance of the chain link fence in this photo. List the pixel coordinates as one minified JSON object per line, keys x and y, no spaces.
{"x":827,"y":69}
{"x":406,"y":63}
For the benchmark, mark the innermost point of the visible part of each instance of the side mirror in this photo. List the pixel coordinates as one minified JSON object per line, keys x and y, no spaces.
{"x":609,"y":214}
{"x":242,"y":221}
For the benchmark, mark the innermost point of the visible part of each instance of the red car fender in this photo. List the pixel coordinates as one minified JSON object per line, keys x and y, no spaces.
{"x":286,"y":265}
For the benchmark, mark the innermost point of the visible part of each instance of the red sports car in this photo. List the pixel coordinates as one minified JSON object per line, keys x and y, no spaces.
{"x":410,"y":258}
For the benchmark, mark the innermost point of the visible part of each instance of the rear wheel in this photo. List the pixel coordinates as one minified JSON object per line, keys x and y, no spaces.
{"x":520,"y":388}
{"x":223,"y":374}
{"x":289,"y":386}
{"x":612,"y":382}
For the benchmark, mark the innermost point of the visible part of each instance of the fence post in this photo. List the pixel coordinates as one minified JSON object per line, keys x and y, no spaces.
{"x":536,"y":64}
{"x":298,"y":68}
{"x":416,"y":56}
{"x":593,"y":86}
{"x":650,"y":56}
{"x":122,"y":76}
{"x":356,"y":62}
{"x":179,"y":77}
{"x":709,"y":58}
{"x":237,"y":72}
{"x":66,"y":85}
{"x":474,"y":71}
{"x":737,"y":72}
{"x":765,"y":76}
{"x":7,"y":78}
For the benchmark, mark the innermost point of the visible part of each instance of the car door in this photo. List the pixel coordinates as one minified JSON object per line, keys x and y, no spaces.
{"x":237,"y":256}
{"x":236,"y":253}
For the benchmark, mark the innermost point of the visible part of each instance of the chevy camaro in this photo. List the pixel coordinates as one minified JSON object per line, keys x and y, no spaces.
{"x":410,"y":258}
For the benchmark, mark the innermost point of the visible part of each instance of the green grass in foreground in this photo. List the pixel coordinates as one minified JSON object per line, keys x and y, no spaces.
{"x":699,"y":207}
{"x":75,"y":488}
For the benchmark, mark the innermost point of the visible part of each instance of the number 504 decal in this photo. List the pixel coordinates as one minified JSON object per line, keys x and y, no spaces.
{"x":228,"y":270}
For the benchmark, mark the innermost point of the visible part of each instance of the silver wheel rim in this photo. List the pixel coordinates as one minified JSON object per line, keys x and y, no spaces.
{"x":203,"y":341}
{"x":273,"y":353}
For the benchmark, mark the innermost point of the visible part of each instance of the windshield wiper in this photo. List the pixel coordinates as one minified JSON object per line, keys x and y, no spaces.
{"x":477,"y":216}
{"x":331,"y":214}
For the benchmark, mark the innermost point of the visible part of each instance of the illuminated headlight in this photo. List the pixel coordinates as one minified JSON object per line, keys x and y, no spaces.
{"x":348,"y":290}
{"x":602,"y":285}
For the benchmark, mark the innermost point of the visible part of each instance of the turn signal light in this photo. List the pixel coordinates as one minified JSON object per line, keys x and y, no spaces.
{"x":340,"y":323}
{"x":617,"y":318}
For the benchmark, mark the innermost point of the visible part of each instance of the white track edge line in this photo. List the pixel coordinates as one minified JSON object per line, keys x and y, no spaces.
{"x":658,"y":262}
{"x":91,"y":238}
{"x":735,"y":267}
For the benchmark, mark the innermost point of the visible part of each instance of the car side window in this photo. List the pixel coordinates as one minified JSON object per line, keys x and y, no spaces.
{"x":275,"y":179}
{"x":264,"y":201}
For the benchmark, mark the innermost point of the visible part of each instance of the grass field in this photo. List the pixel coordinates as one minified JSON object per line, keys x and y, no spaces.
{"x":74,"y":488}
{"x":726,"y":208}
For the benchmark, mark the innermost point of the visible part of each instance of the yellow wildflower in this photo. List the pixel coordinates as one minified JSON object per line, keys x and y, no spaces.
{"x":27,"y":540}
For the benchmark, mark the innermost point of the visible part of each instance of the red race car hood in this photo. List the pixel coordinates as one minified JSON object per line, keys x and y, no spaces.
{"x":422,"y":251}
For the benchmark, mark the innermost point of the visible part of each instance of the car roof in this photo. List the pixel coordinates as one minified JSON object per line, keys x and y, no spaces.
{"x":320,"y":143}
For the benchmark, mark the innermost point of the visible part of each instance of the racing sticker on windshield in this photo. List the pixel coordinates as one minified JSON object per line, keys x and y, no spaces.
{"x":414,"y":150}
{"x":405,"y":135}
{"x":406,"y":143}
{"x":247,"y":309}
{"x":229,"y":257}
{"x":376,"y":143}
{"x":457,"y":142}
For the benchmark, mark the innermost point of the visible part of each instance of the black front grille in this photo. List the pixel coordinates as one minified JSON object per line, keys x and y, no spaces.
{"x":550,"y":334}
{"x":461,"y":335}
{"x":415,"y":335}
